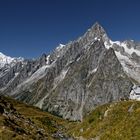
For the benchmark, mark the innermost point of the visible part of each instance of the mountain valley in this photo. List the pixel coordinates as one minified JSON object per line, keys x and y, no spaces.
{"x":86,"y":89}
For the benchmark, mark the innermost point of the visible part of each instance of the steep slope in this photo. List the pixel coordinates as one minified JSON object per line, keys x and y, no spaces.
{"x":83,"y":87}
{"x":74,"y":78}
{"x":21,"y":121}
{"x":9,"y":68}
{"x":115,"y":121}
{"x":128,"y":53}
{"x":68,"y":52}
{"x":13,"y":75}
{"x":24,"y":122}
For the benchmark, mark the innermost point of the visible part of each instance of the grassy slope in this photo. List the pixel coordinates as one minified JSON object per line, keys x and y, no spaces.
{"x":115,"y":121}
{"x":120,"y":122}
{"x":48,"y":122}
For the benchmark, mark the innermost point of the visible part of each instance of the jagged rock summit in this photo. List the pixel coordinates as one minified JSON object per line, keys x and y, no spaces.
{"x":77,"y":77}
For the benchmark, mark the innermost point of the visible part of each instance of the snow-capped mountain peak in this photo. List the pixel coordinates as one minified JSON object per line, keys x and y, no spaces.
{"x":4,"y":59}
{"x":76,"y":77}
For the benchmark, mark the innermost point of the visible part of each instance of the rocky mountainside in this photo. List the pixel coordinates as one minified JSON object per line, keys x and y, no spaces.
{"x":9,"y":68}
{"x":128,"y":53}
{"x":77,"y":77}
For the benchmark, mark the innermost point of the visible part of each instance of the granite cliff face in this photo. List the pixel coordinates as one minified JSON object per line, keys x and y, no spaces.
{"x":75,"y":78}
{"x":91,"y":85}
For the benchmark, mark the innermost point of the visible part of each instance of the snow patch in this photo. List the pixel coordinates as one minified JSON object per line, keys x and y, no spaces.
{"x":16,"y":74}
{"x":131,"y":68}
{"x":48,"y":60}
{"x":115,"y":42}
{"x":78,"y":59}
{"x":93,"y":71}
{"x":107,"y":45}
{"x":135,"y":93}
{"x":96,"y":38}
{"x":122,"y":44}
{"x":130,"y":50}
{"x":60,"y":47}
{"x":7,"y":60}
{"x":122,"y":57}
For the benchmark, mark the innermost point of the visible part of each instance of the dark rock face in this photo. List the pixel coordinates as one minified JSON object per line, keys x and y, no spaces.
{"x":89,"y":84}
{"x":136,"y":57}
{"x":6,"y":76}
{"x":109,"y":83}
{"x":74,"y":79}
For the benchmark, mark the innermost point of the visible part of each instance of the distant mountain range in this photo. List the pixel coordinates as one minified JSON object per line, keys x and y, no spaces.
{"x":7,"y":60}
{"x":77,"y":77}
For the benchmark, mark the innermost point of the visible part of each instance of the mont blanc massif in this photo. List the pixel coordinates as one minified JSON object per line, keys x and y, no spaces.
{"x":88,"y":89}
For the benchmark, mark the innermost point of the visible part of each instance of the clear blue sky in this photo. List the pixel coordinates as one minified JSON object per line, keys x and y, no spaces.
{"x":29,"y":28}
